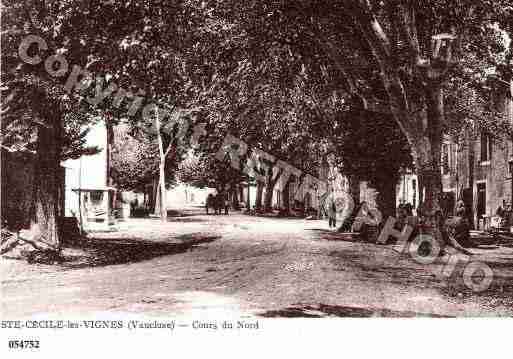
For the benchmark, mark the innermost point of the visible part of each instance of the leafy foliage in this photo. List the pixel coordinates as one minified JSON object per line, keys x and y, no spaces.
{"x":135,"y":161}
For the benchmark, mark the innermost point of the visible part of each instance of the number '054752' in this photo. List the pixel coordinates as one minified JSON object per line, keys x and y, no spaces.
{"x":23,"y":344}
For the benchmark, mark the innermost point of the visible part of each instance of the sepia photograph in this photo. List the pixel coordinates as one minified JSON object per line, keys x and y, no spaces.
{"x":259,"y":175}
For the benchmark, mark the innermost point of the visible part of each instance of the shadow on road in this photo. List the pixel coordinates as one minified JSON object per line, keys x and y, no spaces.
{"x":325,"y":310}
{"x":188,"y":219}
{"x":331,"y":235}
{"x":92,"y":252}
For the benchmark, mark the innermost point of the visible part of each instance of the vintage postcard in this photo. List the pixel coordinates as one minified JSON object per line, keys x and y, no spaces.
{"x":217,"y":177}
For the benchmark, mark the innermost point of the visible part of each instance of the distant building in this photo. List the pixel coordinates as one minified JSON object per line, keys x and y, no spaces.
{"x":183,"y":195}
{"x":407,"y":190}
{"x":88,"y":172}
{"x":87,"y":195}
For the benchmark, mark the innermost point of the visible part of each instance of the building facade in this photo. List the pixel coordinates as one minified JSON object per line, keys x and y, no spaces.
{"x":477,"y":170}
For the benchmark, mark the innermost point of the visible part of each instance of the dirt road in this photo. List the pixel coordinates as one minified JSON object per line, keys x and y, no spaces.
{"x":240,"y":265}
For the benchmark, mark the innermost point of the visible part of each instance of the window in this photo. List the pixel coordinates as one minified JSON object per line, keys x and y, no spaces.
{"x":445,"y":158}
{"x":96,"y":196}
{"x":455,"y":152}
{"x":481,"y":199}
{"x":486,"y":147}
{"x":414,"y":190}
{"x":449,"y":160}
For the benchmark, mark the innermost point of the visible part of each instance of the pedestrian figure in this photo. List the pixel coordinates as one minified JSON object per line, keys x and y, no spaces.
{"x":347,"y":224}
{"x":210,"y":202}
{"x":401,"y":217}
{"x":459,"y":228}
{"x":332,"y":214}
{"x":226,"y":204}
{"x":219,"y":201}
{"x":207,"y":200}
{"x":408,"y":208}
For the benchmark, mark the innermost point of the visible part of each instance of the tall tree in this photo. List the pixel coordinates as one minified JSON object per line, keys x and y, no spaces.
{"x":395,"y":57}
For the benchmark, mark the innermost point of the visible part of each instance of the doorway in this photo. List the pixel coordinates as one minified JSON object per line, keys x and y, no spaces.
{"x":469,"y":205}
{"x":481,"y":201}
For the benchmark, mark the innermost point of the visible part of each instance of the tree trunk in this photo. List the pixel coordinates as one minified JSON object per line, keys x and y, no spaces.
{"x":110,"y":178}
{"x":427,"y":152}
{"x":268,"y":198}
{"x":386,"y":199}
{"x":162,"y":173}
{"x":47,"y":179}
{"x":248,"y":199}
{"x":152,"y":196}
{"x":286,"y":197}
{"x":259,"y":192}
{"x":162,"y":190}
{"x":470,"y":184}
{"x":241,"y":192}
{"x":269,"y":189}
{"x":354,"y":189}
{"x":427,"y":156}
{"x":156,"y":196}
{"x":235,"y":197}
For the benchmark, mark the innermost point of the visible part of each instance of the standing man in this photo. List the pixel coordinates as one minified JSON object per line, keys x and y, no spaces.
{"x":219,"y":201}
{"x":331,"y":208}
{"x":209,"y":202}
{"x":226,"y":202}
{"x":332,"y":213}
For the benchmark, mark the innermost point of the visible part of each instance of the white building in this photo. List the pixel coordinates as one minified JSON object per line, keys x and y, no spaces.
{"x":88,"y":172}
{"x":408,"y":190}
{"x":182,"y":195}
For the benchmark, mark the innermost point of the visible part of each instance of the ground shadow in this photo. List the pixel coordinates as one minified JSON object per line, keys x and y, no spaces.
{"x":188,"y":219}
{"x":92,"y":252}
{"x":329,"y":235}
{"x":171,"y":213}
{"x":192,"y":216}
{"x":325,"y":310}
